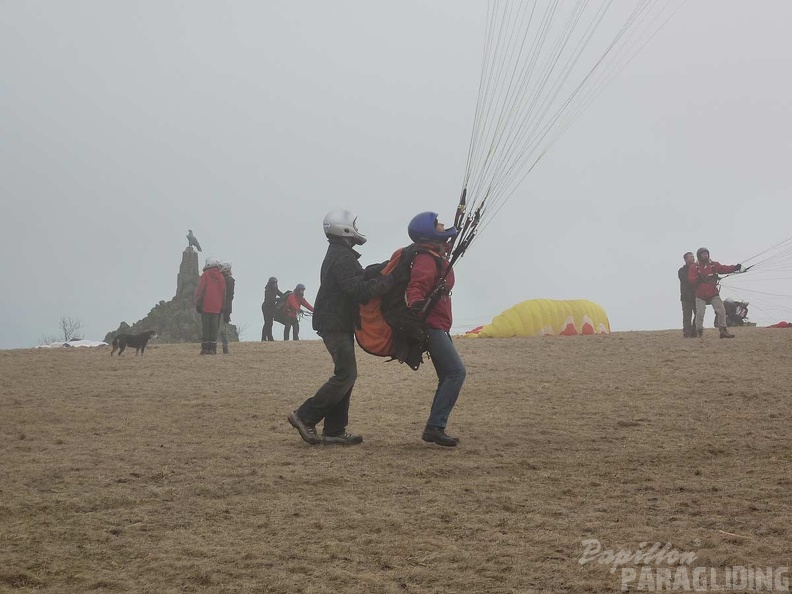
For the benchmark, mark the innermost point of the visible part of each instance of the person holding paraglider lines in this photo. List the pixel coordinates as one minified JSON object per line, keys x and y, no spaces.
{"x":428,"y":295}
{"x":703,"y":275}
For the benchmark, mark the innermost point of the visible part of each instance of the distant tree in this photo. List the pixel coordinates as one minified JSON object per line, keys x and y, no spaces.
{"x":241,"y":329}
{"x":69,"y":330}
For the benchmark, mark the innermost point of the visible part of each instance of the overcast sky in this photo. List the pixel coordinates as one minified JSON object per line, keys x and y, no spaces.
{"x":123,"y":124}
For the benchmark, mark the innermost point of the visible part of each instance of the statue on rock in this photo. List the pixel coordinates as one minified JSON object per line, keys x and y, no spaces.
{"x":192,"y":241}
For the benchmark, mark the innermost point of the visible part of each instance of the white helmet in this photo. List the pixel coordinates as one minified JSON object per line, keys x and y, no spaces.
{"x":341,"y":223}
{"x":212,"y":263}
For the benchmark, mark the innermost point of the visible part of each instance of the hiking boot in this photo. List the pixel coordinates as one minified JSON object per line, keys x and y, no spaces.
{"x":724,"y":333}
{"x":438,"y":435}
{"x":343,"y":439}
{"x":700,"y":332}
{"x":307,"y":432}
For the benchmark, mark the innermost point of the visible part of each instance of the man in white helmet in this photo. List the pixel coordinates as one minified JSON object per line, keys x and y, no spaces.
{"x":344,"y":285}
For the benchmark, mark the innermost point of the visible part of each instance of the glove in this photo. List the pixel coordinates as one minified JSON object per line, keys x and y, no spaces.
{"x":739,"y":266}
{"x":373,"y":270}
{"x":227,"y":318}
{"x":418,"y":306}
{"x":382,"y":285}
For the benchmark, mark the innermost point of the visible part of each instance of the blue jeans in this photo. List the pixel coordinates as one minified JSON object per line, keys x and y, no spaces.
{"x":450,"y":375}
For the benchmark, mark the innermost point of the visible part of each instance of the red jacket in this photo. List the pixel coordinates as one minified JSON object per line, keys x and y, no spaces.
{"x":423,"y":279}
{"x":293,"y":304}
{"x":210,"y":295}
{"x":704,"y":277}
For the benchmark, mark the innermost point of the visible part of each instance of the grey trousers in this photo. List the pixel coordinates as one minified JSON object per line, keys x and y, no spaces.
{"x":717,"y":305}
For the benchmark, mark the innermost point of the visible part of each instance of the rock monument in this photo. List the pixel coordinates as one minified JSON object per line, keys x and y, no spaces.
{"x":176,"y":320}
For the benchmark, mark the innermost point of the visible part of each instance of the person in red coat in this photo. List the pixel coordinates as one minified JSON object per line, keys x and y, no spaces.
{"x":431,"y":262}
{"x":210,"y":300}
{"x":704,"y":278}
{"x":292,"y":309}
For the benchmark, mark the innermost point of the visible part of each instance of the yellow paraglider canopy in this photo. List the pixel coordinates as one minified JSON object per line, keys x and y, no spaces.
{"x":542,"y":317}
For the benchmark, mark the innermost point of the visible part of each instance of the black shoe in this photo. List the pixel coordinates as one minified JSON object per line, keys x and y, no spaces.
{"x":343,"y":439}
{"x":307,"y":432}
{"x":438,"y":435}
{"x":725,"y":333}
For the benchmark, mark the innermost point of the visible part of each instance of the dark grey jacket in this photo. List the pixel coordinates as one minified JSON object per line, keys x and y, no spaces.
{"x":271,"y":293}
{"x":229,"y":295}
{"x":687,"y":292}
{"x":344,"y":285}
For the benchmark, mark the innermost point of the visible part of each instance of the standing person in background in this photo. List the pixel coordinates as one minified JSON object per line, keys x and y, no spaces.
{"x":704,"y":277}
{"x":225,"y":269}
{"x":292,"y":309}
{"x":687,"y":295}
{"x":271,"y":293}
{"x":209,"y":302}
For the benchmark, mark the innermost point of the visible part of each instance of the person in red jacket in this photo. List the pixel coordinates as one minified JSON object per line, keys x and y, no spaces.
{"x":292,"y":309}
{"x":704,"y":277}
{"x":430,"y":263}
{"x":209,"y":302}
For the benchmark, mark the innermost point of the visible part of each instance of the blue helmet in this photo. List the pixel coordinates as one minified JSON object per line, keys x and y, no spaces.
{"x":423,"y":227}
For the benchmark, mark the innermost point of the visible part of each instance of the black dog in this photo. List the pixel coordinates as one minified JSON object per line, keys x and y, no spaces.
{"x":139,"y":341}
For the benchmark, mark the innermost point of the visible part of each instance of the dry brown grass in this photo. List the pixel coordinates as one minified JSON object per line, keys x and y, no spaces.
{"x":178,"y":473}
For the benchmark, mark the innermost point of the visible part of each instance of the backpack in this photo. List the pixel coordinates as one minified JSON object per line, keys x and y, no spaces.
{"x":388,"y":328}
{"x":280,"y":308}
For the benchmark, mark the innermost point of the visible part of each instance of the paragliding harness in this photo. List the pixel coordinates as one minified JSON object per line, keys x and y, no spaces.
{"x":388,"y":327}
{"x":280,"y":308}
{"x":711,"y":279}
{"x":736,"y":312}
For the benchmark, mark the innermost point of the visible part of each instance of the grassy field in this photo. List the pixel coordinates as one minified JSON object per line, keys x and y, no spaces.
{"x":178,"y":473}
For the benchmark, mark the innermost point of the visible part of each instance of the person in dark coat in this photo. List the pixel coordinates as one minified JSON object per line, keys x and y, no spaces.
{"x":225,"y":268}
{"x":209,"y":302}
{"x":344,"y":285}
{"x":271,"y":294}
{"x":687,"y":295}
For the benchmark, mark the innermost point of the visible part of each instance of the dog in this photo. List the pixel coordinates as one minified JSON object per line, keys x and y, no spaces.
{"x":139,"y":341}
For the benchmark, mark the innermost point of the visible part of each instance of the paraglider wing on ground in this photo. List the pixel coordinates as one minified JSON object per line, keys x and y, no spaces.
{"x":546,"y":317}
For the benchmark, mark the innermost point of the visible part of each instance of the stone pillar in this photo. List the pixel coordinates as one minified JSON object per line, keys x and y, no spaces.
{"x":187,"y":280}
